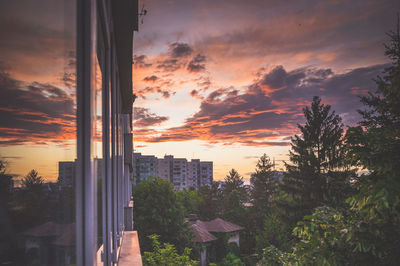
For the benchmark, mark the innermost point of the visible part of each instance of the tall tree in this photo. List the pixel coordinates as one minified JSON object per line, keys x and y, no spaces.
{"x":31,"y":197}
{"x":210,"y":202}
{"x":233,"y":181}
{"x":375,"y":146}
{"x":32,"y":181}
{"x":263,"y":188}
{"x":5,"y":183}
{"x":316,"y":156}
{"x":158,"y":211}
{"x":234,"y":195}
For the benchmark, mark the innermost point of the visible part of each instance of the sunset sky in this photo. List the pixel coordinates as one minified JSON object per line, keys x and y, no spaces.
{"x":226,"y":81}
{"x":221,"y":81}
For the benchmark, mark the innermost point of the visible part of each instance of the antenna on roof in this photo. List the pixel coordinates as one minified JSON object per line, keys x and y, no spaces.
{"x":142,"y":13}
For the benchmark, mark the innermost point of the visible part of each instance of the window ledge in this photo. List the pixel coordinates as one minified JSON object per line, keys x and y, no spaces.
{"x":130,"y":250}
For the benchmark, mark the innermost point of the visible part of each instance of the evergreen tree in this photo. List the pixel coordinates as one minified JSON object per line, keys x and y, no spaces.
{"x":210,"y":202}
{"x":317,"y":158}
{"x":375,"y":146}
{"x":234,"y":195}
{"x":5,"y":183}
{"x":264,"y":187}
{"x":31,"y":197}
{"x":32,"y":181}
{"x":233,"y":181}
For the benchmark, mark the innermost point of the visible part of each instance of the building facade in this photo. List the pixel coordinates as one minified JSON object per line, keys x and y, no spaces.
{"x":144,"y":167}
{"x":66,"y":173}
{"x":180,"y":172}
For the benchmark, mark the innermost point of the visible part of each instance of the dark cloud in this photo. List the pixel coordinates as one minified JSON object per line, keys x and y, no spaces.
{"x":204,"y":83}
{"x":178,"y":50}
{"x":169,"y":65}
{"x":150,"y":90}
{"x":37,"y":113}
{"x":197,"y":64}
{"x":140,"y":61}
{"x":195,"y":94}
{"x":268,"y":112}
{"x":144,"y":118}
{"x":279,"y":78}
{"x":151,"y":78}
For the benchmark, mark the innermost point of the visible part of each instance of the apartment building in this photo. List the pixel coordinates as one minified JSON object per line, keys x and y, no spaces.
{"x":180,"y":172}
{"x":165,"y":166}
{"x":206,"y":173}
{"x":144,"y":167}
{"x":193,"y":174}
{"x":66,"y":173}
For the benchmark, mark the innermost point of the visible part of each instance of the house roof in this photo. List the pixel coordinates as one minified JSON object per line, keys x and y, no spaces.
{"x":219,"y":225}
{"x":64,"y":234}
{"x":44,"y":230}
{"x":201,"y":234}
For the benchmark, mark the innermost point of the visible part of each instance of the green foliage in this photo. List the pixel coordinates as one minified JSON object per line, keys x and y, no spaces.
{"x":166,"y":255}
{"x":231,"y":259}
{"x":158,"y":211}
{"x":234,"y":182}
{"x":323,"y":238}
{"x":263,"y":191}
{"x":234,"y":195}
{"x":190,"y":200}
{"x":233,"y":208}
{"x":272,"y":256}
{"x":375,"y":146}
{"x":275,"y":233}
{"x":211,"y":202}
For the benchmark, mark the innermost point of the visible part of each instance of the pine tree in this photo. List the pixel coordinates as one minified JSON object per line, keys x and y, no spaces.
{"x":375,"y":146}
{"x":264,"y":187}
{"x":316,"y":157}
{"x":32,"y":181}
{"x":233,"y":181}
{"x":234,"y":195}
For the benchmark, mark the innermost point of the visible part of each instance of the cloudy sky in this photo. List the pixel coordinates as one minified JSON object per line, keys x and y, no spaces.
{"x":222,"y":81}
{"x":226,"y":81}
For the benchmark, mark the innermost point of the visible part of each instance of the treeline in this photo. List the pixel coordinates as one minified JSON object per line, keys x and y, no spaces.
{"x":338,"y":203}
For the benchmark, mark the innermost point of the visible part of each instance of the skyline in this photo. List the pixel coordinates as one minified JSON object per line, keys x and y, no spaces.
{"x":223,"y":81}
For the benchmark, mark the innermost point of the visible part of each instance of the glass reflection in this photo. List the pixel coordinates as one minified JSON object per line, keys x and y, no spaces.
{"x":37,"y":132}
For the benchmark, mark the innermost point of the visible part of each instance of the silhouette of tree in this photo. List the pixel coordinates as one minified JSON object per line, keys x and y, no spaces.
{"x":32,"y":180}
{"x":317,"y":160}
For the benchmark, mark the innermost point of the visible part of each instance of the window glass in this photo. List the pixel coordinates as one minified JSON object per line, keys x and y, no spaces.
{"x":37,"y":132}
{"x":97,"y":147}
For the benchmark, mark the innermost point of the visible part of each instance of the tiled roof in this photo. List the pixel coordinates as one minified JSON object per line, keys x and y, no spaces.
{"x":64,"y":233}
{"x":201,"y":234}
{"x":219,"y":225}
{"x":67,"y":237}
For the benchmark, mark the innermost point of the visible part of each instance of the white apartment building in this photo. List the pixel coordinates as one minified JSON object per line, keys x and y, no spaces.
{"x":178,"y":171}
